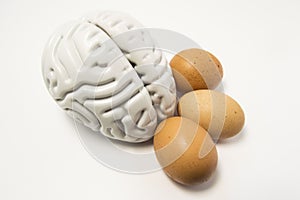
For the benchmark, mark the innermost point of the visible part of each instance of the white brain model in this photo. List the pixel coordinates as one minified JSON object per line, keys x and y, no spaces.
{"x":105,"y":71}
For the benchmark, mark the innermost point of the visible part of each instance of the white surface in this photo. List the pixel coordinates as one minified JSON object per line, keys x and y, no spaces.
{"x":257,"y":42}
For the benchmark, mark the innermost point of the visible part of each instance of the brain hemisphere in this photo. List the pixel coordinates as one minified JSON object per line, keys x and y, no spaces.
{"x":120,"y":87}
{"x":139,"y":48}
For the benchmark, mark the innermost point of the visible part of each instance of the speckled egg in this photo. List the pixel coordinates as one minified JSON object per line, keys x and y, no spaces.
{"x":196,"y":69}
{"x":185,"y":151}
{"x":217,"y":112}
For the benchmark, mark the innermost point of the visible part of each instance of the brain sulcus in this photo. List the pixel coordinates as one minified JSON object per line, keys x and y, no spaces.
{"x":106,"y":71}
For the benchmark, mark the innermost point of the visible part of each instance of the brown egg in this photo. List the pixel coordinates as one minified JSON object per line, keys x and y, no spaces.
{"x":195,"y":69}
{"x":218,"y":113}
{"x":185,"y":151}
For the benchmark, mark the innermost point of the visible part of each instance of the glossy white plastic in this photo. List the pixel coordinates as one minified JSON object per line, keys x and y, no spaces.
{"x":105,"y":71}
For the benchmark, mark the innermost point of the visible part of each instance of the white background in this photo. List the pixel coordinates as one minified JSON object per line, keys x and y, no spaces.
{"x":257,"y":41}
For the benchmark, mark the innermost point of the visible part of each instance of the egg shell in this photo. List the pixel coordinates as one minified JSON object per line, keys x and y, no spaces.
{"x":217,"y":112}
{"x":196,"y":69}
{"x":185,"y":151}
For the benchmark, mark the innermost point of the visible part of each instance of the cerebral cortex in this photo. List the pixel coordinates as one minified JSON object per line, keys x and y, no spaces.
{"x":106,"y":72}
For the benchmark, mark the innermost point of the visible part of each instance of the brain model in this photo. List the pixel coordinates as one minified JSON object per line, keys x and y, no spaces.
{"x":106,"y":72}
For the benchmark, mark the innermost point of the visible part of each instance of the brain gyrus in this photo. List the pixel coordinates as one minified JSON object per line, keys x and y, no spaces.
{"x":106,"y":72}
